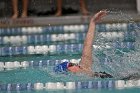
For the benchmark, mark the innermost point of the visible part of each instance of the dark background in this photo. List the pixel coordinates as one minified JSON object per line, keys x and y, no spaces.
{"x":48,"y":7}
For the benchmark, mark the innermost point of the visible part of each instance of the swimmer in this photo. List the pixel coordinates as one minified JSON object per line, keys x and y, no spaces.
{"x":85,"y":65}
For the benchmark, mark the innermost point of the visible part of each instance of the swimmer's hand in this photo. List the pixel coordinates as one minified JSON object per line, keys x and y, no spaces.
{"x":98,"y":16}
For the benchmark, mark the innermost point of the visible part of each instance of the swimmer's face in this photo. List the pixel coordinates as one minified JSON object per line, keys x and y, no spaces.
{"x":73,"y":67}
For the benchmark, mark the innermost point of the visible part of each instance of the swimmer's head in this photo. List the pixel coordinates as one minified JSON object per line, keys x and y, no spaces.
{"x":73,"y":67}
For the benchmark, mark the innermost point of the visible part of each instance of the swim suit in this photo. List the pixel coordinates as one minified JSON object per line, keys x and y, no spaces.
{"x":103,"y":75}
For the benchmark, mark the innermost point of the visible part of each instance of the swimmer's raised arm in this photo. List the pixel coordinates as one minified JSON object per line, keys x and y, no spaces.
{"x":86,"y":59}
{"x":85,"y":65}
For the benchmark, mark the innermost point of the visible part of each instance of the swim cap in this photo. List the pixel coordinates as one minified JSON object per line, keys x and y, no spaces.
{"x":62,"y":67}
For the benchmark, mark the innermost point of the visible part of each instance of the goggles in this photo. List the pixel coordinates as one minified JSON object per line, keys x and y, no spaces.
{"x":72,"y":64}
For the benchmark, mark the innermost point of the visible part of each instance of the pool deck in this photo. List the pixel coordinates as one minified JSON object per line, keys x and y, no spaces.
{"x":71,"y":19}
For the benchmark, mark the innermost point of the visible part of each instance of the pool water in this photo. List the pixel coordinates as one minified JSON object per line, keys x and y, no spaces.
{"x":116,"y":51}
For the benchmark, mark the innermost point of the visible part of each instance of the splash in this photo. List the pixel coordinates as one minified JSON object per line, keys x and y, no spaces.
{"x":121,"y":64}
